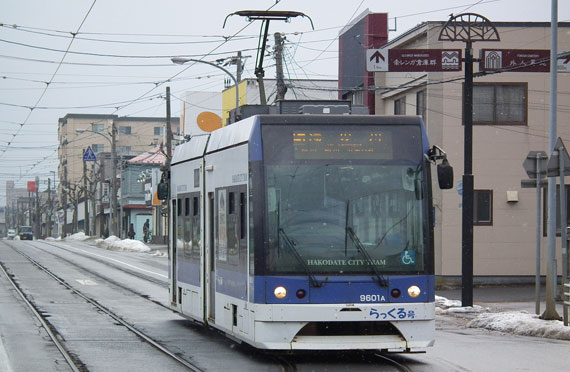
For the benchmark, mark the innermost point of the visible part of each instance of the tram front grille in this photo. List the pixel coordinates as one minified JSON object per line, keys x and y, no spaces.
{"x":348,"y":329}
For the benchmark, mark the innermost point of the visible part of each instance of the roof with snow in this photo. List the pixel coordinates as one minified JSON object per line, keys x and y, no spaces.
{"x":154,"y":156}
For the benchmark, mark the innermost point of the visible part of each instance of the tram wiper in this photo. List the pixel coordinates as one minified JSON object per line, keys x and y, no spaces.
{"x":308,"y":271}
{"x":350,"y":232}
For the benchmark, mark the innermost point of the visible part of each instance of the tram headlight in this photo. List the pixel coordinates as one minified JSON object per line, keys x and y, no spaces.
{"x":280,"y":292}
{"x":414,"y":291}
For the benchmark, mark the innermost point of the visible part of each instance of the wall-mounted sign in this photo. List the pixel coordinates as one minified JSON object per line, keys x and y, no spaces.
{"x":413,"y":60}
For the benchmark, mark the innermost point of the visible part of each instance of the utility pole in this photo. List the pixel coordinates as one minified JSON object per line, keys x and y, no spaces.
{"x":238,"y":67}
{"x":551,"y":271}
{"x":113,"y":183}
{"x":92,"y":199}
{"x":29,"y":208}
{"x":85,"y":198}
{"x":281,"y":87}
{"x":48,"y":210}
{"x":168,"y":129}
{"x":64,"y":200}
{"x":37,"y":227}
{"x":166,"y":177}
{"x":120,"y":197}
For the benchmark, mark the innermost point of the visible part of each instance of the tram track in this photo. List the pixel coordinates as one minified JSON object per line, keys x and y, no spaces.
{"x":108,"y":262}
{"x":401,"y":367}
{"x":285,"y":362}
{"x":73,"y":361}
{"x":106,"y":278}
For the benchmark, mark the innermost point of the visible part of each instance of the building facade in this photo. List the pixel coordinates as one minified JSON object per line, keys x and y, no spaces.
{"x":511,"y":118}
{"x":367,"y":31}
{"x":77,"y":132}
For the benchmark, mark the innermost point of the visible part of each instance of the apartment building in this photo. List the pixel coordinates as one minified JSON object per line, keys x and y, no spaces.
{"x":77,"y":132}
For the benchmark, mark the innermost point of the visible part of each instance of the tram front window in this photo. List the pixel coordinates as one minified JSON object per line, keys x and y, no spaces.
{"x":323,"y":210}
{"x":345,"y":199}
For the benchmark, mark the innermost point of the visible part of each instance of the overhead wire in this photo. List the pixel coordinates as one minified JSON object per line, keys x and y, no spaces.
{"x":167,"y":80}
{"x":175,"y":75}
{"x":47,"y":84}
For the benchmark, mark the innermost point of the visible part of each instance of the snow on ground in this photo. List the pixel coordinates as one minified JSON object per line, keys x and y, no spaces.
{"x":80,"y":236}
{"x":113,"y":243}
{"x":515,"y":322}
{"x":159,"y":254}
{"x":522,"y":323}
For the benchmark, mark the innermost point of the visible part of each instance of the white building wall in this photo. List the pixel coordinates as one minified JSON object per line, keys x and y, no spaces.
{"x":507,"y":248}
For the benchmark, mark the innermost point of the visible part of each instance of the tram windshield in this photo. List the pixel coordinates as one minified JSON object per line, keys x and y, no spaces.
{"x":345,"y":200}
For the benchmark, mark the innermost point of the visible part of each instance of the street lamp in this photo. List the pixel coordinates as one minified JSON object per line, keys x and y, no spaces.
{"x":181,"y":61}
{"x":113,"y":199}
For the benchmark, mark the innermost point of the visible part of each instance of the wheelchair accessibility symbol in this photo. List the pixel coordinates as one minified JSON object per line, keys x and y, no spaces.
{"x":408,"y":257}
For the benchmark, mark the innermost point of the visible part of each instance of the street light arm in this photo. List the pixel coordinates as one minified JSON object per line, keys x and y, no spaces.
{"x":81,"y":130}
{"x":181,"y":61}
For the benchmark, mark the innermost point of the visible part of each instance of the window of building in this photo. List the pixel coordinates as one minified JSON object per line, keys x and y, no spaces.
{"x":126,"y":130}
{"x":357,"y":97}
{"x":482,"y":207}
{"x":98,"y":147}
{"x":97,"y":127}
{"x":421,"y":104}
{"x":158,"y":131}
{"x":400,"y":106}
{"x":125,"y":149}
{"x":500,"y":104}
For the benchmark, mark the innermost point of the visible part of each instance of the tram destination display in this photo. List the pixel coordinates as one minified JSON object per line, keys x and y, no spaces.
{"x":342,"y":144}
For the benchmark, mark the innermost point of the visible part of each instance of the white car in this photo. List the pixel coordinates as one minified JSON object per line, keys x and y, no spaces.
{"x":11,"y":234}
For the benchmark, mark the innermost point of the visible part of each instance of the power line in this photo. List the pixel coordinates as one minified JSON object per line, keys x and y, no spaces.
{"x":47,"y":84}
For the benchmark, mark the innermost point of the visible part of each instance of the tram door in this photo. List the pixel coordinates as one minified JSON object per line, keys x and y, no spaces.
{"x":212,"y":259}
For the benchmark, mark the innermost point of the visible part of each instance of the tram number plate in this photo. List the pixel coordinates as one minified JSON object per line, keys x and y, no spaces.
{"x":394,"y":313}
{"x":372,"y":298}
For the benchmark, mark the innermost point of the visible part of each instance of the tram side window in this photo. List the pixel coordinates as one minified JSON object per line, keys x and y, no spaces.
{"x":187,"y":228}
{"x":233,"y":226}
{"x":196,"y":237}
{"x":242,"y":215}
{"x":230,"y":231}
{"x":179,"y":227}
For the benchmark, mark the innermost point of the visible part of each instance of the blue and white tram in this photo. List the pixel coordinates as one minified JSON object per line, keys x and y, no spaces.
{"x":293,"y":232}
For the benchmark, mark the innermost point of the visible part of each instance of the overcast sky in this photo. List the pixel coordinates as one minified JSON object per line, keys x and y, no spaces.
{"x":119,"y":61}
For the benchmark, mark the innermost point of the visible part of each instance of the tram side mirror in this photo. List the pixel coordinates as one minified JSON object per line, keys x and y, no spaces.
{"x":162,"y":191}
{"x":445,"y":175}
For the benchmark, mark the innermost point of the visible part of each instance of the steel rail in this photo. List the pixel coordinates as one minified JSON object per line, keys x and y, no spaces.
{"x":116,"y":317}
{"x":399,"y":366}
{"x":44,"y":323}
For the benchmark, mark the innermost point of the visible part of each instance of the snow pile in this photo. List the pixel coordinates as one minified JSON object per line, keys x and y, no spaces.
{"x":522,"y":323}
{"x":159,"y":254}
{"x":515,"y":322}
{"x":80,"y":236}
{"x":114,"y":243}
{"x":444,"y":306}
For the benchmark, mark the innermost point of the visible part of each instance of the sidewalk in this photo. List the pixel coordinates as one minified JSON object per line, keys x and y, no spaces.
{"x":508,"y":309}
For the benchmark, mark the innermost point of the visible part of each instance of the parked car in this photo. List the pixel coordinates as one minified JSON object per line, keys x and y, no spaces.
{"x":11,"y":234}
{"x":26,"y":233}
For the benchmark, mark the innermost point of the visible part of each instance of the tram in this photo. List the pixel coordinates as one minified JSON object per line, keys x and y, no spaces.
{"x":308,"y":232}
